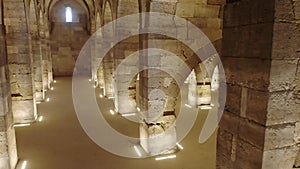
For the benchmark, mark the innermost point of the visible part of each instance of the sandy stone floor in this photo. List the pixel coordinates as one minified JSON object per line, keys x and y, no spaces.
{"x":59,"y":142}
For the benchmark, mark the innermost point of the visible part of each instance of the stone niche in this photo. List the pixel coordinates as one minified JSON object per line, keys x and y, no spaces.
{"x":158,"y":137}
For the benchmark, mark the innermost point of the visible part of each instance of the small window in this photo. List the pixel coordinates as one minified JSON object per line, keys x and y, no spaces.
{"x":69,"y":14}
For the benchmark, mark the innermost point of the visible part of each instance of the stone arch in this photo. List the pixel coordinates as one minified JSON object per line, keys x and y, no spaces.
{"x":204,"y":82}
{"x":165,"y":42}
{"x":68,"y":38}
{"x":52,"y":3}
{"x":107,"y":13}
{"x":98,"y":20}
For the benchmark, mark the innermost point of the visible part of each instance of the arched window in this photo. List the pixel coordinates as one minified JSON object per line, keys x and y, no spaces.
{"x":69,"y":14}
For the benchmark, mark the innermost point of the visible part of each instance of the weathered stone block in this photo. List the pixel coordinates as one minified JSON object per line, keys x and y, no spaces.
{"x":251,"y":73}
{"x":251,"y":41}
{"x":230,"y":122}
{"x":185,"y":10}
{"x":21,"y":91}
{"x":210,"y":11}
{"x":279,"y":136}
{"x":24,"y":111}
{"x":224,"y":143}
{"x":223,"y":162}
{"x":159,"y":137}
{"x":248,"y":156}
{"x":285,"y":40}
{"x":127,"y":7}
{"x":19,"y":58}
{"x":252,"y":133}
{"x":283,"y":158}
{"x":257,"y":104}
{"x":248,"y":12}
{"x":283,"y":73}
{"x":165,"y":7}
{"x":233,"y":100}
{"x":284,"y":10}
{"x":282,"y":108}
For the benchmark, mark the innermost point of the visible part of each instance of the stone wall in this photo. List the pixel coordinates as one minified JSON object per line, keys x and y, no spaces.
{"x":8,"y":149}
{"x":283,"y":118}
{"x":246,"y":53}
{"x":67,"y":39}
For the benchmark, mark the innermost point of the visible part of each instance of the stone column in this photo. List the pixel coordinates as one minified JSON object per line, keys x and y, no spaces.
{"x":45,"y":62}
{"x":8,"y":149}
{"x":125,"y":81}
{"x":283,"y":118}
{"x":108,"y":63}
{"x":108,"y":69}
{"x":46,"y":52}
{"x":36,"y":53}
{"x":37,"y":68}
{"x":108,"y":60}
{"x":157,"y":89}
{"x":49,"y":59}
{"x":258,"y":126}
{"x":20,"y":62}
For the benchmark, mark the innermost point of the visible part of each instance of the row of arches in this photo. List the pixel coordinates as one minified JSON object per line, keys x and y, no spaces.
{"x":38,"y":42}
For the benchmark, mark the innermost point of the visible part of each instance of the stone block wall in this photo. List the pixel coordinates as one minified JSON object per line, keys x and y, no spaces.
{"x":67,"y":39}
{"x":246,"y":57}
{"x":282,"y":137}
{"x":19,"y":61}
{"x":261,"y":63}
{"x":8,"y":149}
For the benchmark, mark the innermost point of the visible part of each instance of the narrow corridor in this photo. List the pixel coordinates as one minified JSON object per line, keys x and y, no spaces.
{"x":59,"y":142}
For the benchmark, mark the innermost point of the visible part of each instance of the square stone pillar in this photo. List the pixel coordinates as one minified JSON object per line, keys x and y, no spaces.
{"x":258,"y":129}
{"x":8,"y":149}
{"x":19,"y":62}
{"x":158,"y":137}
{"x":37,"y":69}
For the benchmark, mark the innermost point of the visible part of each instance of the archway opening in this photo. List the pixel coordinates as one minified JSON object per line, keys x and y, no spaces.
{"x":69,"y":31}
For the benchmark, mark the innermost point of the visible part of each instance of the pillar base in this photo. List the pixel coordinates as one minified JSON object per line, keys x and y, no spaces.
{"x":159,"y":137}
{"x":24,"y":111}
{"x":40,"y":96}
